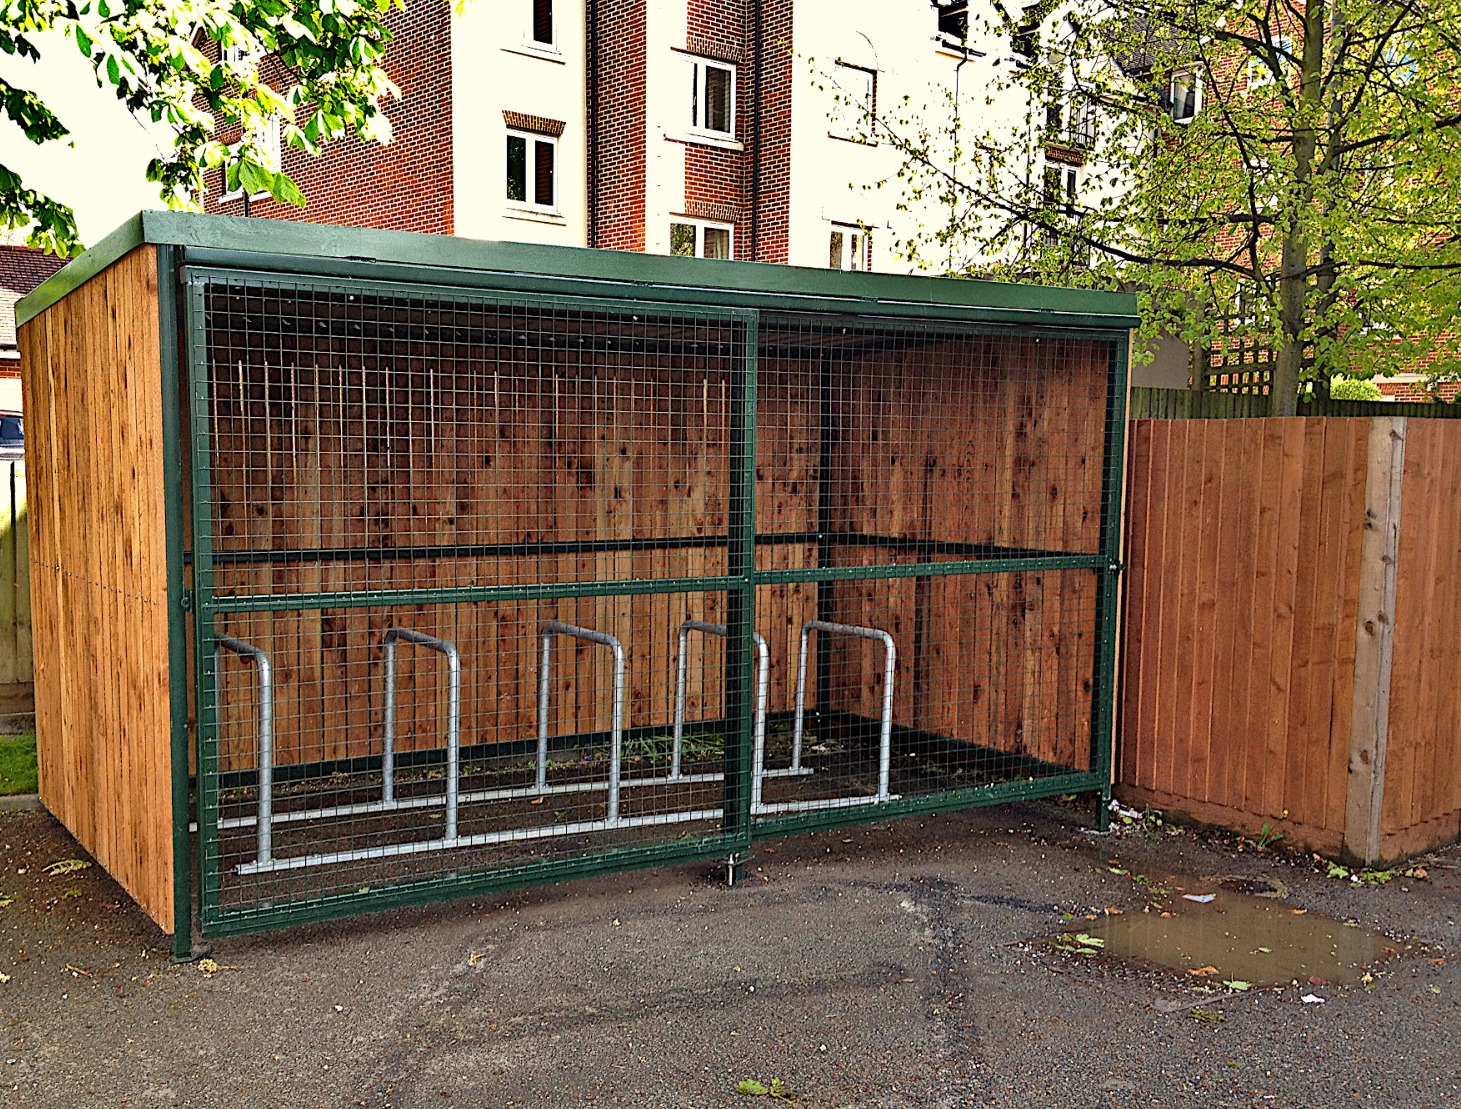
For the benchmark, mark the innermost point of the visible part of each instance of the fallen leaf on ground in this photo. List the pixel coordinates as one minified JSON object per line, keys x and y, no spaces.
{"x":66,"y":866}
{"x":209,"y":967}
{"x":4,"y":978}
{"x":1298,"y":912}
{"x":1203,"y":970}
{"x":476,"y":957}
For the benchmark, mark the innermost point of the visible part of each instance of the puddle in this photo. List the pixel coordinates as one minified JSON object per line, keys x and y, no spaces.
{"x":1233,"y":935}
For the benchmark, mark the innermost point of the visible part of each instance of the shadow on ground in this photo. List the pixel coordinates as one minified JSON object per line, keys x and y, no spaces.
{"x":890,"y":965}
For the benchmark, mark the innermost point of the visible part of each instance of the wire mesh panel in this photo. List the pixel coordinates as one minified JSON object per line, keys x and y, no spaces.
{"x":444,"y":546}
{"x":934,"y":511}
{"x":492,"y":588}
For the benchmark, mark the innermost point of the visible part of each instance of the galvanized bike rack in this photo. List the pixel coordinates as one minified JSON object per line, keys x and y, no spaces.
{"x":763,"y":670}
{"x":267,"y":818}
{"x":265,"y":732}
{"x":885,"y":749}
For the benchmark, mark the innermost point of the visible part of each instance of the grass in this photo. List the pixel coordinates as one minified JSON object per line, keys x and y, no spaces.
{"x":18,"y":763}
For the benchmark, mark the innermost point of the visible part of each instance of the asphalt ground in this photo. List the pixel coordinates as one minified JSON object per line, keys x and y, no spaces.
{"x":888,"y":965}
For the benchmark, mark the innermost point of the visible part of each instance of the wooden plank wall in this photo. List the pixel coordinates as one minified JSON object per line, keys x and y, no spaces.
{"x":1422,"y":801}
{"x":16,"y":659}
{"x":98,"y":574}
{"x":1243,"y":553}
{"x":345,"y":444}
{"x":985,"y":441}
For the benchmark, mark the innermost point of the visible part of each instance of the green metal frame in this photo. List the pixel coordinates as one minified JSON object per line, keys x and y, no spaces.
{"x":200,"y":249}
{"x":737,"y":584}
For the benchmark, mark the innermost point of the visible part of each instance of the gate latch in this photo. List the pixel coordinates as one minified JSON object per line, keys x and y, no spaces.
{"x":187,"y":600}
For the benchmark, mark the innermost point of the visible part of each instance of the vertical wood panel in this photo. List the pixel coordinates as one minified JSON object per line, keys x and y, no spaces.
{"x":99,"y":581}
{"x":1242,"y":544}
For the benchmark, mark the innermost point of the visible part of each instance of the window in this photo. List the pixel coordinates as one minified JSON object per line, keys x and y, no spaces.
{"x":1059,"y":189}
{"x":713,"y":97}
{"x":241,"y":56}
{"x":1259,"y":74}
{"x":953,"y":22}
{"x":530,"y":166}
{"x":850,"y":248}
{"x":543,"y":22}
{"x":269,"y":141}
{"x":1184,"y":97}
{"x":856,"y":100}
{"x":693,"y":238}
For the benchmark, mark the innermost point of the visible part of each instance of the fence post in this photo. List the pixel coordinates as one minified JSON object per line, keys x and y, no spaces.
{"x":1374,"y":639}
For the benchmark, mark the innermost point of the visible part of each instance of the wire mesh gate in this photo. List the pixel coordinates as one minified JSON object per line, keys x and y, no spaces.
{"x":493,"y":589}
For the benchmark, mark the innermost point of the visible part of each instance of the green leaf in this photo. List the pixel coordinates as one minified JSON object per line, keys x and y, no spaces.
{"x":286,"y":191}
{"x":255,"y":178}
{"x":752,"y":1087}
{"x":83,"y":40}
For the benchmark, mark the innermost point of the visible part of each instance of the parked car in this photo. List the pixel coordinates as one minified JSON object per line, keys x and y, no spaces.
{"x":12,"y":435}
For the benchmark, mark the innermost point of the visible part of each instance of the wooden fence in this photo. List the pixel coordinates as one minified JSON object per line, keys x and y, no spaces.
{"x":1292,"y":643}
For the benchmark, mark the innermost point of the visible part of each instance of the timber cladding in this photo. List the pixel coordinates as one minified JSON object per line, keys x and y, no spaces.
{"x":94,"y":451}
{"x":1290,"y":637}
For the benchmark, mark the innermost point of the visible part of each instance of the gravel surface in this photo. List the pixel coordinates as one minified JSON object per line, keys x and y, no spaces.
{"x":888,"y":965}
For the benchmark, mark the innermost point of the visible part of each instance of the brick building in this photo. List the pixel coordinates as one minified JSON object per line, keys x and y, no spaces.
{"x":22,"y":268}
{"x":719,"y":128}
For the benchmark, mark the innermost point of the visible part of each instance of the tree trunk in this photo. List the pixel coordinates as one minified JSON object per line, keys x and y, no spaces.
{"x":1293,"y":280}
{"x":1283,"y":386}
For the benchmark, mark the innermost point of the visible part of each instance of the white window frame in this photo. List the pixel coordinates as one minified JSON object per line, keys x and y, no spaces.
{"x":700,"y":226}
{"x":844,"y":106}
{"x":864,"y":249}
{"x":272,"y":145}
{"x":1259,"y":74}
{"x":528,"y":46}
{"x":1192,"y":76}
{"x":700,"y":68}
{"x":945,"y":39}
{"x":237,"y":56}
{"x":1066,"y":200}
{"x":531,"y":38}
{"x":530,"y":166}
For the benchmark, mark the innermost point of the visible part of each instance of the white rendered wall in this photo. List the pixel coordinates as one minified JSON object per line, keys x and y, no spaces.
{"x":496,"y":67}
{"x":942,"y":88}
{"x":666,"y":102}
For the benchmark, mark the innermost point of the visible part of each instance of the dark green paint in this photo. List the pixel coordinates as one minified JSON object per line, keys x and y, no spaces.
{"x":177,"y":619}
{"x":313,"y":248}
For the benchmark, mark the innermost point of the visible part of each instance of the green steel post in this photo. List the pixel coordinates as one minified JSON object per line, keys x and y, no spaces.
{"x":205,"y":683}
{"x":741,"y":601}
{"x":177,"y":620}
{"x":1108,"y":580}
{"x":826,"y":435}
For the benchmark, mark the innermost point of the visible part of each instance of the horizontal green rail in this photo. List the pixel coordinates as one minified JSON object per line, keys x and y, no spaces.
{"x":1075,"y":781}
{"x":466,"y":594}
{"x":233,"y":922}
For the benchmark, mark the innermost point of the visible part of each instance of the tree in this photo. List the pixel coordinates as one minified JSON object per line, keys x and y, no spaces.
{"x":1313,"y":197}
{"x":195,"y":65}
